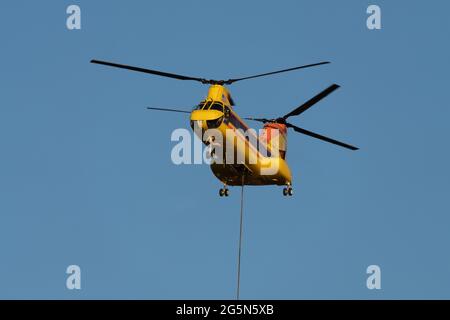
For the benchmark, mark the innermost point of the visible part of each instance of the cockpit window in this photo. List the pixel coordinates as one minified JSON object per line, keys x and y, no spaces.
{"x":217,"y":106}
{"x":209,"y":105}
{"x":206,"y":105}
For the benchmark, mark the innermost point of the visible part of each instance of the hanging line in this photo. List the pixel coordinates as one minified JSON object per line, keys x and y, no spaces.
{"x":240,"y":241}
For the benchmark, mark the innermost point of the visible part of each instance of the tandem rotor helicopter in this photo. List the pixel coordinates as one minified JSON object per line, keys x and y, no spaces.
{"x":216,"y":112}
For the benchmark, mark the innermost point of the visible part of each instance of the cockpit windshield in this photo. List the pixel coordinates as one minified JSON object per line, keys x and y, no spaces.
{"x":216,"y":106}
{"x":209,"y":105}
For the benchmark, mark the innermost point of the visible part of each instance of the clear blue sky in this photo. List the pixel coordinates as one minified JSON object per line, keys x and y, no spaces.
{"x":86,"y":176}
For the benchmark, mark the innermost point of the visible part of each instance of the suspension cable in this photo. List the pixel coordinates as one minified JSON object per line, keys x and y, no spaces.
{"x":240,"y":241}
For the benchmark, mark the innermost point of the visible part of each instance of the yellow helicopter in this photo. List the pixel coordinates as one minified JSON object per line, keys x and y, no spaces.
{"x":257,"y":154}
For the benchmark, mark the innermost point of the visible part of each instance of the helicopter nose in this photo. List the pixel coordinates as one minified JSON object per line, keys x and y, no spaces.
{"x":205,"y":115}
{"x":206,"y":119}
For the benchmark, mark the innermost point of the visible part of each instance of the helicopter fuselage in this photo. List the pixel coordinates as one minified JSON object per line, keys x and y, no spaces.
{"x":255,"y":160}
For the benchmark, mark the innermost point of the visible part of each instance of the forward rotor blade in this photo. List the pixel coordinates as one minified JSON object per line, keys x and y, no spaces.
{"x":308,"y":104}
{"x":169,"y":110}
{"x":318,"y":136}
{"x":230,"y":81}
{"x":155,"y":72}
{"x":202,"y":80}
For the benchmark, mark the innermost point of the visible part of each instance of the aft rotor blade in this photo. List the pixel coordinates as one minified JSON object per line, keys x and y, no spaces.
{"x":169,"y":110}
{"x":308,"y":104}
{"x":323,"y":138}
{"x":230,"y":81}
{"x":155,"y":72}
{"x":263,"y":120}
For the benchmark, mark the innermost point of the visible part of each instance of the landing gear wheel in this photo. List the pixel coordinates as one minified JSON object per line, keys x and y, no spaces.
{"x":287,"y":191}
{"x":224,"y":192}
